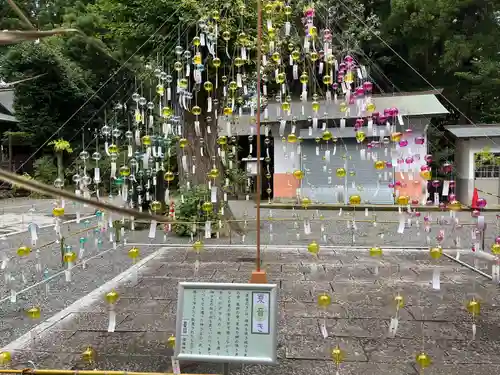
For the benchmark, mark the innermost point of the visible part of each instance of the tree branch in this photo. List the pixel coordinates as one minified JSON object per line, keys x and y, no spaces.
{"x":21,"y":15}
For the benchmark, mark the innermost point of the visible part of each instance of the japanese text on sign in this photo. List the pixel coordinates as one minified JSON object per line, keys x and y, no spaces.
{"x":227,"y":322}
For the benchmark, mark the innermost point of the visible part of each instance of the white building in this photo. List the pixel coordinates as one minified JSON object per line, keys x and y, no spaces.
{"x":320,"y":182}
{"x":469,"y":141}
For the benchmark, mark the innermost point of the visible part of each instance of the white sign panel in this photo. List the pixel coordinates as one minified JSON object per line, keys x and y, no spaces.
{"x":225,"y":322}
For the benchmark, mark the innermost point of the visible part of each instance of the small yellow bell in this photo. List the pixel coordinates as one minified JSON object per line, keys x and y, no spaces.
{"x":155,"y":206}
{"x":169,"y":176}
{"x":454,"y":206}
{"x":281,"y":78}
{"x":426,"y":175}
{"x":222,"y":140}
{"x":183,"y":142}
{"x":112,"y":297}
{"x":197,"y":246}
{"x":314,"y":56}
{"x":171,"y":342}
{"x":197,"y":59}
{"x":376,"y":251}
{"x":298,"y":174}
{"x":292,"y":138}
{"x":69,"y":257}
{"x":379,"y":165}
{"x":208,"y":86}
{"x":495,"y":249}
{"x":167,"y":112}
{"x":196,"y":110}
{"x":354,"y":200}
{"x":399,"y":300}
{"x":436,"y":252}
{"x":337,"y":355}
{"x":207,"y":207}
{"x":160,"y":90}
{"x":403,"y":200}
{"x":216,"y":62}
{"x":423,"y":360}
{"x":214,"y":173}
{"x":340,"y":172}
{"x":327,"y":135}
{"x":474,"y":306}
{"x":396,"y":137}
{"x":324,"y":300}
{"x":360,"y":136}
{"x":23,"y":251}
{"x":5,"y":358}
{"x":58,"y":211}
{"x":113,"y":149}
{"x":183,"y":83}
{"x":124,"y":171}
{"x":88,"y":355}
{"x":313,"y":248}
{"x":34,"y":313}
{"x":133,"y":253}
{"x":305,"y":202}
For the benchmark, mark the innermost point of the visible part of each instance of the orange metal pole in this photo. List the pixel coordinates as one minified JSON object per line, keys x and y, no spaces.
{"x":258,"y":276}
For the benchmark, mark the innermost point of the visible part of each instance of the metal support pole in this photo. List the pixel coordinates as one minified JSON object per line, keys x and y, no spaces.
{"x":225,"y":369}
{"x":472,"y":268}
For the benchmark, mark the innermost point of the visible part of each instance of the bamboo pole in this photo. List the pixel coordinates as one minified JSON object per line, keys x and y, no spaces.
{"x":81,"y":372}
{"x":8,"y":37}
{"x":52,"y":191}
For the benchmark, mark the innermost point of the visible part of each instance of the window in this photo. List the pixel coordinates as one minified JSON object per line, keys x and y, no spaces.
{"x":487,"y":165}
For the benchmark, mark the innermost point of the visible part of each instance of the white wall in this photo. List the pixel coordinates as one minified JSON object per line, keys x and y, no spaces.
{"x":283,"y":160}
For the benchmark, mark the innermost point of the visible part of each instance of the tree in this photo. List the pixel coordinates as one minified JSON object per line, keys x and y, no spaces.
{"x":442,"y":40}
{"x":483,"y":96}
{"x":47,"y":103}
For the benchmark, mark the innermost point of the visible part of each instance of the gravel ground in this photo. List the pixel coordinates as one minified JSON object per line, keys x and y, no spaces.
{"x":357,"y":320}
{"x":102,"y":263}
{"x":106,"y":262}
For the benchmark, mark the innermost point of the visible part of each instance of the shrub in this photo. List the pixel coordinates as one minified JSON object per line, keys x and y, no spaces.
{"x":45,"y":170}
{"x":190,"y":210}
{"x":19,"y":191}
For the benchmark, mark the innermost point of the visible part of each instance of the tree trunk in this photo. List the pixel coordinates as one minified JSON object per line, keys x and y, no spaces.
{"x":203,"y":164}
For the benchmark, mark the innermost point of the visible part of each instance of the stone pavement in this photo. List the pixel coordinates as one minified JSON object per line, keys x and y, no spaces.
{"x":102,"y":263}
{"x":357,"y":320}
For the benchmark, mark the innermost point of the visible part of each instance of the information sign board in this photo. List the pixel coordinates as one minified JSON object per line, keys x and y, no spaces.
{"x":226,"y":322}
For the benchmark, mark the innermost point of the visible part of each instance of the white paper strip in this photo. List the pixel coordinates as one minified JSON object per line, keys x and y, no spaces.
{"x":436,"y":279}
{"x":152,"y":229}
{"x":112,"y":321}
{"x":393,"y":326}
